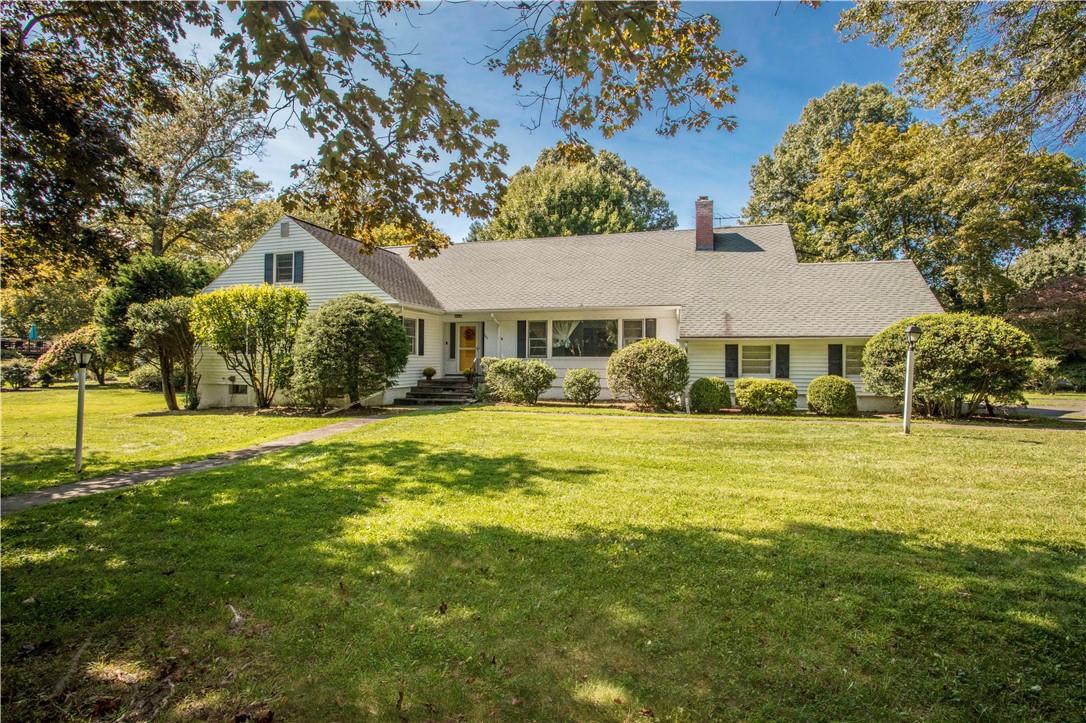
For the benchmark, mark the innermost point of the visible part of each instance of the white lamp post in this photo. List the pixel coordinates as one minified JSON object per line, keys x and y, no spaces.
{"x":83,"y":357}
{"x":911,"y":335}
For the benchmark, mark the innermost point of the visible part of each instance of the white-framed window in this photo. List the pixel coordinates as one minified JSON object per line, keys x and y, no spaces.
{"x":284,"y":268}
{"x":537,"y":339}
{"x":756,"y":359}
{"x":854,"y":360}
{"x":411,"y":328}
{"x":584,"y":338}
{"x":634,"y":330}
{"x":239,"y":388}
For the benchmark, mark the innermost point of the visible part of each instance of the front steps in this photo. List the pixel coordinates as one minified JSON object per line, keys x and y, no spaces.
{"x":439,"y":392}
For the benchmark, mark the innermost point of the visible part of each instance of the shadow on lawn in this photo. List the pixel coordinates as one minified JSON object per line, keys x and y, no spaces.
{"x":492,"y":622}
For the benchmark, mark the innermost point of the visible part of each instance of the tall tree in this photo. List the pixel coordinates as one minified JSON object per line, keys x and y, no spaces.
{"x":74,"y":77}
{"x":962,"y":207}
{"x":778,"y":179}
{"x":392,"y":143}
{"x":996,"y":67}
{"x":189,"y":160}
{"x":572,"y":190}
{"x":161,"y":330}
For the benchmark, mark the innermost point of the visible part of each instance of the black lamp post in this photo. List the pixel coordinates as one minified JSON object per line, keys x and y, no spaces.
{"x":911,"y":336}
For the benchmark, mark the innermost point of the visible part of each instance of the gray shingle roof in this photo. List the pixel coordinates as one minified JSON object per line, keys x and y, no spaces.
{"x":383,"y":267}
{"x":751,"y":285}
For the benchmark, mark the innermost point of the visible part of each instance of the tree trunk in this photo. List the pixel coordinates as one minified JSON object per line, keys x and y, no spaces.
{"x":99,"y":375}
{"x":158,"y":234}
{"x":165,"y":370}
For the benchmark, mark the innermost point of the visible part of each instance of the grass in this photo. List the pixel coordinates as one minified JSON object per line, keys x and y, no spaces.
{"x":125,"y":430}
{"x":487,"y":565}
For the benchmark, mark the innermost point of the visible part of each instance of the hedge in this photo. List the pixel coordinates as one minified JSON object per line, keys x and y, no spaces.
{"x":766,"y":396}
{"x":709,"y":394}
{"x":581,"y":386}
{"x":519,"y":381}
{"x":831,"y":395}
{"x":651,"y":372}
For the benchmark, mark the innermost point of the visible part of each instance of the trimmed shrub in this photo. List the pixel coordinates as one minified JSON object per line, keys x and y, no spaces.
{"x":354,"y":345}
{"x":962,"y":361}
{"x":831,"y":395}
{"x":651,"y":372}
{"x":766,"y":396}
{"x":1044,"y":374}
{"x":581,"y":386}
{"x":519,"y":381}
{"x":17,"y":372}
{"x":253,"y":329}
{"x":709,"y":395}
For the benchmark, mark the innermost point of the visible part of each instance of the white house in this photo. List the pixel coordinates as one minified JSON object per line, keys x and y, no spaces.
{"x":736,"y":298}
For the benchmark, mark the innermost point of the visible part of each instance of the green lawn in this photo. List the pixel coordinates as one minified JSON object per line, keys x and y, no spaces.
{"x":482,"y":565}
{"x":125,"y":430}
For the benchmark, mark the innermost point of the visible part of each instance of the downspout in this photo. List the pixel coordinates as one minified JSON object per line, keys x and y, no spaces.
{"x":499,"y":346}
{"x":686,"y":348}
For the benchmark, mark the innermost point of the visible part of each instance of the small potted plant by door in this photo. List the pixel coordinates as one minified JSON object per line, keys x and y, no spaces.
{"x":429,"y":373}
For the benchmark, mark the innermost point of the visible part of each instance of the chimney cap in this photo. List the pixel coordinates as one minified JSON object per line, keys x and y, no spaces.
{"x":703,"y":198}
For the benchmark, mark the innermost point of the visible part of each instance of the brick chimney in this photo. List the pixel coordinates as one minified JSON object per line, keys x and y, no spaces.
{"x":703,"y":224}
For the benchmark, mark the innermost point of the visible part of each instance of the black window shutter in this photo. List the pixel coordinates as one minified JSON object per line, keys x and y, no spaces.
{"x":269,"y":268}
{"x":731,"y":360}
{"x":522,"y":339}
{"x":452,"y":340}
{"x":783,"y":352}
{"x":422,"y":334}
{"x":650,"y":328}
{"x":298,"y":266}
{"x":480,"y":349}
{"x":835,"y":364}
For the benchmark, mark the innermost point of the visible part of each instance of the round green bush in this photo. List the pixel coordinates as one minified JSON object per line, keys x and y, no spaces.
{"x":709,"y":395}
{"x":581,"y":386}
{"x":354,"y":344}
{"x":518,"y":381}
{"x":651,"y":372}
{"x":831,"y":395}
{"x":766,"y":396}
{"x":962,"y":360}
{"x":17,"y":373}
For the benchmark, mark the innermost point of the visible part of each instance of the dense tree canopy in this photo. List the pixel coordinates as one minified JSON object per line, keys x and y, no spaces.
{"x":1052,"y":261}
{"x":75,"y":77}
{"x":1054,"y":312}
{"x":575,"y":190}
{"x":392,"y":144}
{"x":161,"y":330}
{"x":779,"y":179}
{"x":962,"y":207}
{"x":998,"y":67}
{"x":56,"y":303}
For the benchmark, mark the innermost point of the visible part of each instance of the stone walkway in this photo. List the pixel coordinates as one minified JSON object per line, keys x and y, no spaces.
{"x":74,"y":490}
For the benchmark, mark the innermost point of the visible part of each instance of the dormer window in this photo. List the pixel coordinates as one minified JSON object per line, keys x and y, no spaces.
{"x":284,"y":268}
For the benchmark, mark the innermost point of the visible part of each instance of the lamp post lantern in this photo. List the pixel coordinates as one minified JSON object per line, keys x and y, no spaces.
{"x":83,"y":357}
{"x":911,"y":335}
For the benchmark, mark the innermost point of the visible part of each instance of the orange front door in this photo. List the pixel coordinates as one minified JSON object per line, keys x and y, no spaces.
{"x":468,"y":346}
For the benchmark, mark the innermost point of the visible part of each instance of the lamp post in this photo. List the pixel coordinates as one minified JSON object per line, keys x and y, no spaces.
{"x":911,"y":335}
{"x":83,"y":357}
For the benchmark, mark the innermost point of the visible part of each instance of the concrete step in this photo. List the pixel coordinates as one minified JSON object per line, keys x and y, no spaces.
{"x":430,"y":401}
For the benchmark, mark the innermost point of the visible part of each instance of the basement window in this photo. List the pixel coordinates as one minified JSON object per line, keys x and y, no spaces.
{"x":239,"y":388}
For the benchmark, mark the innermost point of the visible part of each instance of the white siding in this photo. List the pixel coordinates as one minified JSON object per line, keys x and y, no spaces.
{"x":808,"y":358}
{"x":500,"y":338}
{"x":324,"y":276}
{"x":431,"y":355}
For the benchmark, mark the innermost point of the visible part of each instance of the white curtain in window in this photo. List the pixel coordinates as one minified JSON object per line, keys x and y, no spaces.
{"x":563,"y":331}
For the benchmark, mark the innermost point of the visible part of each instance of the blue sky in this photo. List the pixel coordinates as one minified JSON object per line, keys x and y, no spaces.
{"x":793,"y":54}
